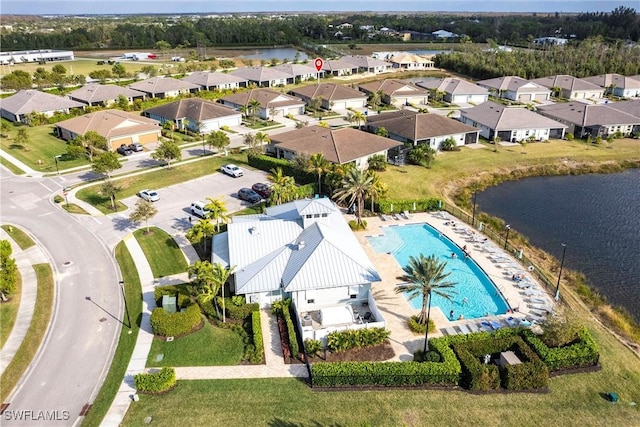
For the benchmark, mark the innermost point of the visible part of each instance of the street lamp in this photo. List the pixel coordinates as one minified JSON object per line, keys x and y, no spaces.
{"x":126,"y":307}
{"x":564,"y":251}
{"x":56,"y":159}
{"x":506,"y":238}
{"x":473,"y":216}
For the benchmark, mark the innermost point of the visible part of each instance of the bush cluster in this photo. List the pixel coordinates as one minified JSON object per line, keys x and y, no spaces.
{"x":312,"y":347}
{"x":156,"y":382}
{"x":422,"y":205}
{"x":416,"y":326}
{"x":266,"y":163}
{"x":355,"y":226}
{"x":179,"y":291}
{"x":580,"y":354}
{"x":283,"y":309}
{"x":238,"y":312}
{"x":175,"y":324}
{"x":352,"y":338}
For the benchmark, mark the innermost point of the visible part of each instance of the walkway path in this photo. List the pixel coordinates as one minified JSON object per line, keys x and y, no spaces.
{"x":24,"y":260}
{"x":30,"y":172}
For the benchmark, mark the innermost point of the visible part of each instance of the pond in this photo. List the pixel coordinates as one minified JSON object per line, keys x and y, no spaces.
{"x":276,"y":52}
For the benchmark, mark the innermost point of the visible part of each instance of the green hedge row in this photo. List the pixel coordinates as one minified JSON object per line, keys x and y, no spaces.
{"x":351,"y":338}
{"x":421,"y":205}
{"x":238,"y":312}
{"x":258,"y":342}
{"x":291,"y":331}
{"x":266,"y":163}
{"x":175,"y":324}
{"x":180,"y":291}
{"x":581,"y":354}
{"x":156,"y":382}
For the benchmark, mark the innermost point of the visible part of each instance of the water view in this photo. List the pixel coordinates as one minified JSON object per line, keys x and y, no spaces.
{"x":277,"y":53}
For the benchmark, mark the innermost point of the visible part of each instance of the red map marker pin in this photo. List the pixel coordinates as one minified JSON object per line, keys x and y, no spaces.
{"x":318,"y":63}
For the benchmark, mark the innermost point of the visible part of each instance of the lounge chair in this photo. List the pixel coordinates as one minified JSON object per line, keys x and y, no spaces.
{"x":495,"y":325}
{"x":533,"y":292}
{"x":540,"y":314}
{"x":522,"y":285}
{"x":395,"y":216}
{"x":511,"y":321}
{"x":524,"y":322}
{"x":463,"y":328}
{"x":486,"y":326}
{"x":536,"y":300}
{"x":441,"y":215}
{"x":544,"y":307}
{"x":473,"y":327}
{"x":406,"y":215}
{"x":448,"y":331}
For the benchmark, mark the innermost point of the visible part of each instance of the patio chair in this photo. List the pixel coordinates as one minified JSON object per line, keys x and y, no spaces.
{"x":395,"y":216}
{"x":485,"y":326}
{"x":406,"y":215}
{"x":463,"y":329}
{"x":533,"y":292}
{"x":495,"y":325}
{"x":511,"y":321}
{"x":383,"y":217}
{"x":450,"y":331}
{"x":473,"y":327}
{"x":368,"y":316}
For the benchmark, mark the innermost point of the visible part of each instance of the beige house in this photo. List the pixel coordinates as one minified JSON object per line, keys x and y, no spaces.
{"x":164,"y":87}
{"x":397,"y":92}
{"x":94,"y":94}
{"x":272,"y":103}
{"x":208,"y":80}
{"x":411,"y":62}
{"x":18,"y":107}
{"x":334,"y":97}
{"x":456,"y":90}
{"x":195,"y":114}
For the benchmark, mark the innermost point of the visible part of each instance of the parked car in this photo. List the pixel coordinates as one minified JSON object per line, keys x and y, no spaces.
{"x":136,"y":146}
{"x":149,"y":195}
{"x":232,"y":170}
{"x":124,"y":150}
{"x":262,"y":189}
{"x":249,"y":195}
{"x":197,"y":209}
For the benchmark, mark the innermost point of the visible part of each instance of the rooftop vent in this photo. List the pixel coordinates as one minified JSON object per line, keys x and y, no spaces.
{"x":301,"y":244}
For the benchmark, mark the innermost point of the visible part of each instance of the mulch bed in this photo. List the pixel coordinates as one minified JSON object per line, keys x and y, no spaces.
{"x":378,"y":353}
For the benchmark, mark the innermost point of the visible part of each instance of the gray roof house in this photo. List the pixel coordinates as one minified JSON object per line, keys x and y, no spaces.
{"x":262,"y":76}
{"x":334,"y":97}
{"x":303,"y":250}
{"x":298,"y":72}
{"x":512,"y":124}
{"x":616,"y":84}
{"x":339,"y":146}
{"x":272,"y":103}
{"x":367,"y":64}
{"x":17,"y":108}
{"x":339,"y":67}
{"x":195,"y":114}
{"x":457,"y":90}
{"x":215,"y":81}
{"x":164,"y":87}
{"x":419,"y":128}
{"x":516,"y":89}
{"x":594,"y":120}
{"x":571,"y":87}
{"x":94,"y":94}
{"x":397,"y":92}
{"x":630,"y":107}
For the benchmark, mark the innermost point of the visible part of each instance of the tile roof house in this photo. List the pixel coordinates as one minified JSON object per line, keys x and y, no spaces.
{"x":298,"y":72}
{"x":334,"y":97}
{"x":512,"y":124}
{"x":164,"y":87}
{"x":457,"y":90}
{"x":396,"y":92}
{"x":118,"y":127}
{"x":516,"y":89}
{"x":339,"y":67}
{"x":272,"y":103}
{"x":262,"y":76}
{"x":195,"y":114}
{"x":339,"y":146}
{"x":368,"y":64}
{"x":616,"y":84}
{"x":215,"y":81}
{"x":94,"y":94}
{"x":594,"y":120}
{"x":18,"y":107}
{"x":411,"y":61}
{"x":571,"y":87}
{"x":419,"y":128}
{"x":303,"y":250}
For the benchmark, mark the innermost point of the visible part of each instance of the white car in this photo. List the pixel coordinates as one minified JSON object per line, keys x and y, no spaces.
{"x":149,"y":195}
{"x":232,"y":170}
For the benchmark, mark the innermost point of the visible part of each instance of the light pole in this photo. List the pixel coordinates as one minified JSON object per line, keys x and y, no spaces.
{"x":506,"y":238}
{"x":126,"y":307}
{"x":564,"y":251}
{"x":473,"y":216}
{"x":56,"y":159}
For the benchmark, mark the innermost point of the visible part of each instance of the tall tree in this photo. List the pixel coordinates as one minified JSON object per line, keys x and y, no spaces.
{"x":217,"y":211}
{"x":424,"y":276}
{"x":8,"y":270}
{"x":92,"y":142}
{"x":254,"y":108}
{"x":143,"y":211}
{"x":105,"y":163}
{"x":200,"y":232}
{"x":218,"y":140}
{"x":318,"y":165}
{"x":356,"y":185}
{"x":284,"y":187}
{"x":377,"y":190}
{"x":22,"y":138}
{"x":167,"y":151}
{"x":110,"y":189}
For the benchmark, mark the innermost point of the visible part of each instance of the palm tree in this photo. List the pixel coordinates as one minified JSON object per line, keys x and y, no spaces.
{"x":356,"y":184}
{"x":217,"y":211}
{"x":378,"y":188}
{"x":220,"y":276}
{"x":262,"y":138}
{"x":200,"y":232}
{"x":424,"y":276}
{"x":254,"y":107}
{"x":359,"y":118}
{"x":283,"y":188}
{"x":318,"y":165}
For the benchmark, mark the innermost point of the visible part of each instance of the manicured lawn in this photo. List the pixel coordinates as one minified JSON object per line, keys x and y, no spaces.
{"x":13,"y":168}
{"x":210,"y":346}
{"x":9,"y":311}
{"x":127,"y":341}
{"x":163,"y":253}
{"x":35,"y":333}
{"x":21,"y":238}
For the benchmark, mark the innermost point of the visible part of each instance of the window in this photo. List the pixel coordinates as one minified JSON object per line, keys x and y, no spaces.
{"x":311,"y":301}
{"x":353,"y":296}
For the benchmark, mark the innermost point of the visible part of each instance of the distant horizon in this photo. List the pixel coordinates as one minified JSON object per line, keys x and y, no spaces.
{"x":152,"y":7}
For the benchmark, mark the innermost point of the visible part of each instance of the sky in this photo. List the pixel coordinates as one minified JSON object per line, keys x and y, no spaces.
{"x":78,"y":7}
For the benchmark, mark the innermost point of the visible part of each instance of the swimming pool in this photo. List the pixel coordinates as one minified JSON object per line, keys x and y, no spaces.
{"x":482,"y":297}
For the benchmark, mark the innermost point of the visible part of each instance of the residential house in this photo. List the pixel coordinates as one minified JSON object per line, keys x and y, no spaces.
{"x":456,"y":91}
{"x":339,"y":146}
{"x":94,"y":94}
{"x":215,"y":81}
{"x":516,"y":89}
{"x":593,"y":120}
{"x":18,"y":107}
{"x":303,"y":250}
{"x":397,"y":92}
{"x":512,"y":124}
{"x":409,"y":35}
{"x":118,"y":127}
{"x":617,"y":85}
{"x":339,"y":67}
{"x":368,"y":64}
{"x":411,"y":62}
{"x":196,"y":115}
{"x":571,"y":87}
{"x":444,"y":34}
{"x":262,"y":76}
{"x":334,"y":97}
{"x":552,"y":41}
{"x":272,"y":103}
{"x":299,"y":72}
{"x":419,"y":128}
{"x":164,"y":87}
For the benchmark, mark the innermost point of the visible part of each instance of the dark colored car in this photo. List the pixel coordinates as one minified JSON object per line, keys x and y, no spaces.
{"x":124,"y":150}
{"x":262,"y":189}
{"x":136,"y":146}
{"x":249,"y":195}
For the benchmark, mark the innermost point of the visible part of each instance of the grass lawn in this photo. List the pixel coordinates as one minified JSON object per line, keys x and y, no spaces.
{"x":163,"y":253}
{"x":39,"y":151}
{"x":21,"y":238}
{"x":9,"y":311}
{"x":210,"y":346}
{"x":13,"y":168}
{"x":35,"y":333}
{"x":127,"y":341}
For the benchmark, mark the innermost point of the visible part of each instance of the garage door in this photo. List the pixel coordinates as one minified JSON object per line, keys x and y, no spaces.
{"x":148,"y":138}
{"x":525,"y":97}
{"x":115,"y":143}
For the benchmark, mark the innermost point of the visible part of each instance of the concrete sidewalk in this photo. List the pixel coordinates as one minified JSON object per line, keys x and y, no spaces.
{"x":27,"y":170}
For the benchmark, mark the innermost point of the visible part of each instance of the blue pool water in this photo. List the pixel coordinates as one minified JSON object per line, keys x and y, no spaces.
{"x":482,"y":297}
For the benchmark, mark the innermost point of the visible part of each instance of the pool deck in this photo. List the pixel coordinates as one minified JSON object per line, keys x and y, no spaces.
{"x":397,"y":310}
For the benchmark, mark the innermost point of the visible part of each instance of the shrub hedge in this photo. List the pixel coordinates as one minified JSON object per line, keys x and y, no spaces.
{"x":580,"y":354}
{"x":291,"y":331}
{"x":156,"y":382}
{"x":266,"y":163}
{"x":175,"y":324}
{"x":172,"y":290}
{"x":258,"y":344}
{"x":238,"y":312}
{"x":422,"y":205}
{"x":351,"y":338}
{"x":416,"y":326}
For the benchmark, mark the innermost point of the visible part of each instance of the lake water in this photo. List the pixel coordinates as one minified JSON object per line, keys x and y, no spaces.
{"x":270,"y":53}
{"x":596,"y":216}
